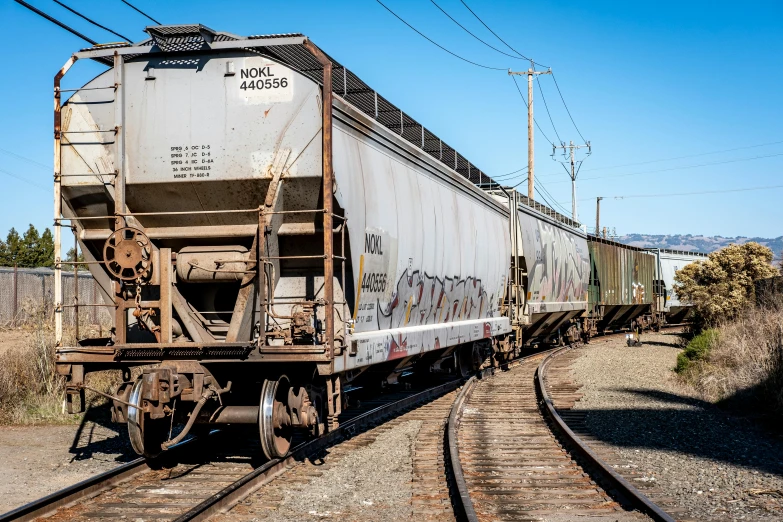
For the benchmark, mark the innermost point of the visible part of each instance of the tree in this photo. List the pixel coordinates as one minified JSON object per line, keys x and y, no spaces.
{"x":46,"y":249}
{"x":28,"y":257}
{"x":722,"y":286}
{"x":71,"y":256}
{"x":31,"y":250}
{"x":11,"y":248}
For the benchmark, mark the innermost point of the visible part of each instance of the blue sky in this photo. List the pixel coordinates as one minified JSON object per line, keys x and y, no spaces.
{"x":645,"y":81}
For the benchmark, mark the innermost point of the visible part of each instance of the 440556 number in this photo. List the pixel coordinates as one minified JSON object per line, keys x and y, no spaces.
{"x":268,"y":83}
{"x":372,"y":282}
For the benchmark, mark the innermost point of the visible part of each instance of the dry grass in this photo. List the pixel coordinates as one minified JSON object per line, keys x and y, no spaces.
{"x":744,"y":363}
{"x":30,"y":390}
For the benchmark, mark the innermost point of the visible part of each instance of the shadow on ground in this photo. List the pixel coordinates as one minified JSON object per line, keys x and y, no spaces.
{"x":91,"y":437}
{"x":691,"y":427}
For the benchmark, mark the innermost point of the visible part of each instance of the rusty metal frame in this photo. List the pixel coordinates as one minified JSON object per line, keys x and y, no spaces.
{"x":122,"y":215}
{"x":328,"y":184}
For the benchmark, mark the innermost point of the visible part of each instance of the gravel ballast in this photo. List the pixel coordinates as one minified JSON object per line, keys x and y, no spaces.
{"x":715,"y":465}
{"x":38,"y":460}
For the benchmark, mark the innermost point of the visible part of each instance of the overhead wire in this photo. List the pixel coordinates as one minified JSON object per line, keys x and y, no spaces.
{"x":566,"y":108}
{"x":28,"y":160}
{"x":496,"y":35}
{"x":554,"y":206}
{"x":56,"y":22}
{"x":93,"y":22}
{"x":557,"y":204}
{"x":139,"y":11}
{"x":525,"y":102}
{"x":697,"y":193}
{"x":547,"y":110}
{"x":473,"y":35}
{"x":437,"y":44}
{"x":687,"y":156}
{"x":684,"y":167}
{"x":510,"y":174}
{"x":23,"y":179}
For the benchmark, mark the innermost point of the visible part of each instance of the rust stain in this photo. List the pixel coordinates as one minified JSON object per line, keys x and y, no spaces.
{"x":266,"y":112}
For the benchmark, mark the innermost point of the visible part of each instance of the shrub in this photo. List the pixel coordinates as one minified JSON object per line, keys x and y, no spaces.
{"x":721,"y":287}
{"x":743,"y":364}
{"x":697,"y":349}
{"x":31,"y":392}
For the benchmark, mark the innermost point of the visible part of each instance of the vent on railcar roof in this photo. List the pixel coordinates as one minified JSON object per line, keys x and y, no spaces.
{"x":197,"y":37}
{"x":181,"y":38}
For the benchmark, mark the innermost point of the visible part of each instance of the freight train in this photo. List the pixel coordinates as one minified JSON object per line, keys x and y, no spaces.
{"x":266,"y":230}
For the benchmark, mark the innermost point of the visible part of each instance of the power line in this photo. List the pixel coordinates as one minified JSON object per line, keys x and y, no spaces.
{"x":496,"y":35}
{"x":140,"y":11}
{"x":547,"y":110}
{"x":28,"y":160}
{"x":554,"y":207}
{"x":566,"y":108}
{"x":509,"y":175}
{"x":25,"y":180}
{"x":93,"y":22}
{"x":747,"y":189}
{"x":56,"y":22}
{"x":518,"y":184}
{"x":525,"y":102}
{"x":686,"y":167}
{"x":557,"y":204}
{"x":473,"y":35}
{"x":688,"y":156}
{"x":435,"y":43}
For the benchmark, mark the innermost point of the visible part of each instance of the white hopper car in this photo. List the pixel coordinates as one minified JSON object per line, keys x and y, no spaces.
{"x":199,"y":156}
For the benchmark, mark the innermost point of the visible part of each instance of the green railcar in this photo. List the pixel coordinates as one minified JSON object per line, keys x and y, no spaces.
{"x":620,"y":290}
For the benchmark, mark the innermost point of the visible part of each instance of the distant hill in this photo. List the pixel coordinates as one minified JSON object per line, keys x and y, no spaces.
{"x":693,"y":243}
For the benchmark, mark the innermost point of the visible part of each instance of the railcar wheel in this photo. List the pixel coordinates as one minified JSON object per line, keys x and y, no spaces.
{"x":466,"y":360}
{"x":274,"y":419}
{"x":146,"y":435}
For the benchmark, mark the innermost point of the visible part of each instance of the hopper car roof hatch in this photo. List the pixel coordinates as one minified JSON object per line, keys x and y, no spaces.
{"x":289,"y":49}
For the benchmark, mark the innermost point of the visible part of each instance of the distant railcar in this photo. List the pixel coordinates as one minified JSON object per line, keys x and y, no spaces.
{"x":669,"y":307}
{"x":554,"y":268}
{"x":621,"y":283}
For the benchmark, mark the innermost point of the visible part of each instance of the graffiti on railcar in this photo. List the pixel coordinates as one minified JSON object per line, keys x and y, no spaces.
{"x":419,"y":299}
{"x":558,"y":266}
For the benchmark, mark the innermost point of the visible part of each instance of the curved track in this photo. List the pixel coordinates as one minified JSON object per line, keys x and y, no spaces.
{"x":499,"y":450}
{"x":514,"y":458}
{"x":203,"y":482}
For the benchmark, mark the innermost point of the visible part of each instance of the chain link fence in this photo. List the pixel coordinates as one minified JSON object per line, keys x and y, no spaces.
{"x":25,"y":292}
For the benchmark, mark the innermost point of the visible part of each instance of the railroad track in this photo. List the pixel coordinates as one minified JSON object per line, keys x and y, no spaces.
{"x":514,"y":458}
{"x":194,"y":483}
{"x":487,"y":453}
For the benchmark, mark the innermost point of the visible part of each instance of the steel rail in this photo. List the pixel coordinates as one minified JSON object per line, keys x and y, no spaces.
{"x":463,"y":505}
{"x":638,"y":499}
{"x":50,"y":503}
{"x":234,"y":493}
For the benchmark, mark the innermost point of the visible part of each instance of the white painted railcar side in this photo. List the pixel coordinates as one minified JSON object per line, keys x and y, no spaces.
{"x":668,"y":262}
{"x":557,"y":266}
{"x":429,"y":250}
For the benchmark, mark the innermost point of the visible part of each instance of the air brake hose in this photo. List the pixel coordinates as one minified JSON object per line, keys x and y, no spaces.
{"x":208,"y":394}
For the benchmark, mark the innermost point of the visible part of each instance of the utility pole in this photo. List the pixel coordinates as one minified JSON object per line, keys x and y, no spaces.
{"x":574,"y":171}
{"x":598,"y":215}
{"x":530,"y":122}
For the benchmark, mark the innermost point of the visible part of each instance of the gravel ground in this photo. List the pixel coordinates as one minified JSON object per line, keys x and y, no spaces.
{"x":372,"y":482}
{"x":716,"y":465}
{"x":38,"y":460}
